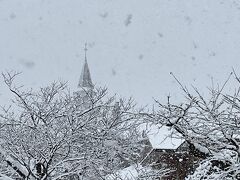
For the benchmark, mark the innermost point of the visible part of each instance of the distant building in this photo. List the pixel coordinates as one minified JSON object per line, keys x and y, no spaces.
{"x":166,"y":149}
{"x":85,"y":90}
{"x":85,"y":81}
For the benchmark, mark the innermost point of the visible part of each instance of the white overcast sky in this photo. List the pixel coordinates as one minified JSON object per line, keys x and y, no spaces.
{"x":133,"y":44}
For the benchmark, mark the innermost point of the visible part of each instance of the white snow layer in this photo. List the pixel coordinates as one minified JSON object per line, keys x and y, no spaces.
{"x":162,"y":137}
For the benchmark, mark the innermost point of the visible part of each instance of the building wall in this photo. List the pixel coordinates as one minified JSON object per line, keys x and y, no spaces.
{"x":179,"y":163}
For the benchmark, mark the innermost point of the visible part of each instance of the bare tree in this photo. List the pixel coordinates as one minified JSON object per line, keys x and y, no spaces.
{"x":210,"y":125}
{"x":52,"y":134}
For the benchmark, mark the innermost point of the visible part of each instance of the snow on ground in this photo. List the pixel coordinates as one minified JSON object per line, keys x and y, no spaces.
{"x":3,"y":177}
{"x":137,"y":171}
{"x":129,"y":173}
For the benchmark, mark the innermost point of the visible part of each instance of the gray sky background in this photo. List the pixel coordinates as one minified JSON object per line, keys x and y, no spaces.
{"x":133,"y":44}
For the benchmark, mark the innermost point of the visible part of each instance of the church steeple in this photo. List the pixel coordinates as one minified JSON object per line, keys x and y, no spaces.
{"x":85,"y":78}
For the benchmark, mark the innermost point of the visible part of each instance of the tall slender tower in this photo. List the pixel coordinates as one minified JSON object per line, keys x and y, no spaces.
{"x":85,"y":81}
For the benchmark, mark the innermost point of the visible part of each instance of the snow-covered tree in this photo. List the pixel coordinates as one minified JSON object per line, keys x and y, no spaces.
{"x":211,"y":126}
{"x":54,"y":134}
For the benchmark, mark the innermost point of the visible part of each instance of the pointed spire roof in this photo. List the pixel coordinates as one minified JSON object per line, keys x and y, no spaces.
{"x":85,"y":78}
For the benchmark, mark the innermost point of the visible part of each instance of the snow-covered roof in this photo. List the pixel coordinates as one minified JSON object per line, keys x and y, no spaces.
{"x":163,"y":137}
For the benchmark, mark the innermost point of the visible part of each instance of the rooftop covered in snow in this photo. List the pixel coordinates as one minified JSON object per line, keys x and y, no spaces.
{"x":162,"y":137}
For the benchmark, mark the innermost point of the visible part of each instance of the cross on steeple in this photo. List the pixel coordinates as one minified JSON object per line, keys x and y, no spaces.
{"x":85,"y":49}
